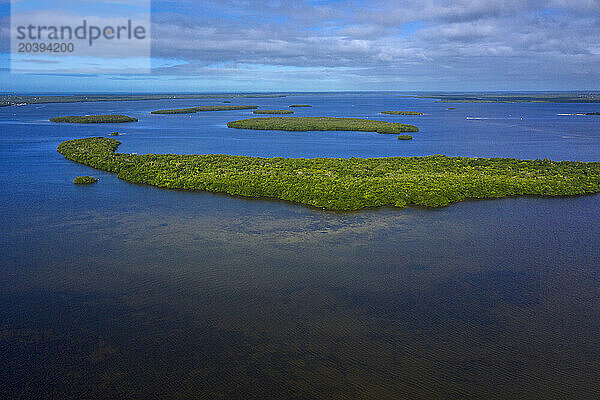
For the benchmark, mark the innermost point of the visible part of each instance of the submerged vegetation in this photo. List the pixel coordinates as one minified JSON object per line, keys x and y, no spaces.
{"x":343,"y":184}
{"x":273,"y":112}
{"x":193,"y":110}
{"x":402,"y":113}
{"x":85,"y":180}
{"x":300,"y":105}
{"x":94,"y":119}
{"x":322,"y":124}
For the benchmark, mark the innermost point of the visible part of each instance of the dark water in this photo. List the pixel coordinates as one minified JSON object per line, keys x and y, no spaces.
{"x":124,"y":291}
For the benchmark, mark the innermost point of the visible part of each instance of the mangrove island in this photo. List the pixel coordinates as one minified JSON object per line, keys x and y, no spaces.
{"x":85,"y":180}
{"x":193,"y":110}
{"x":94,"y":119}
{"x":402,"y":113}
{"x":303,"y":124}
{"x":300,"y":105}
{"x":340,"y":183}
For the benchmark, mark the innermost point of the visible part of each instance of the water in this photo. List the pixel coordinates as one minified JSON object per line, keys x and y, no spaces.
{"x":127,"y":291}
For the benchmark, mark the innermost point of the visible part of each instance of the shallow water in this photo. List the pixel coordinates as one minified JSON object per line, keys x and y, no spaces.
{"x":118,"y":290}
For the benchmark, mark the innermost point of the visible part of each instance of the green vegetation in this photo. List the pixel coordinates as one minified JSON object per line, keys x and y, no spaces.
{"x":593,"y":113}
{"x":273,"y":112}
{"x":343,"y":184}
{"x":193,"y":110}
{"x":84,"y":180}
{"x":94,"y":119}
{"x":321,"y":124}
{"x":300,"y":105}
{"x":405,"y":137}
{"x":451,"y":108}
{"x":402,"y":112}
{"x":114,"y":134}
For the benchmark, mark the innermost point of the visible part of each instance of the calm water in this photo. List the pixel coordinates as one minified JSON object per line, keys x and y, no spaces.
{"x":125,"y":291}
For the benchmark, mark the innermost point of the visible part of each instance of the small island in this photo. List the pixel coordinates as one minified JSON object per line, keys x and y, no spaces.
{"x":405,"y":137}
{"x":304,"y":124}
{"x":273,"y":112}
{"x":85,"y":180}
{"x":114,"y":134}
{"x":402,"y":113}
{"x":300,"y":105}
{"x":94,"y":119}
{"x":343,"y":183}
{"x":193,"y":110}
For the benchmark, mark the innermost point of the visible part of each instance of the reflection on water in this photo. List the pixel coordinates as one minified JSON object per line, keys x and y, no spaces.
{"x":126,"y":291}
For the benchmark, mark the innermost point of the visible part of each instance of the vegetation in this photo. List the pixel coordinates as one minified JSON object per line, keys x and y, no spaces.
{"x":114,"y":134}
{"x":273,"y":112}
{"x":300,"y":105}
{"x":193,"y":110}
{"x":405,"y":137}
{"x":593,"y":113}
{"x":343,"y":184}
{"x":94,"y":119}
{"x":321,"y":124}
{"x":84,"y":180}
{"x":402,"y":112}
{"x":451,"y":108}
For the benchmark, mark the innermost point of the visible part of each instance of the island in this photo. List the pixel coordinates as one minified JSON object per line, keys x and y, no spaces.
{"x":20,"y":100}
{"x":193,"y":110}
{"x":342,"y":183}
{"x":300,"y":105}
{"x":405,"y":137}
{"x":85,"y":180}
{"x":94,"y":119}
{"x":303,"y":124}
{"x":114,"y":134}
{"x":273,"y":112}
{"x":402,"y":112}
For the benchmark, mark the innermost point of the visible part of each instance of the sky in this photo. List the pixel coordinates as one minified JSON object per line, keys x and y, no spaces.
{"x":330,"y":45}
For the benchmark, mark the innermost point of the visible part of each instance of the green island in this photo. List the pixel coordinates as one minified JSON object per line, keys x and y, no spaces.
{"x":193,"y":110}
{"x":402,"y":113}
{"x":339,"y":183}
{"x":300,"y":105}
{"x":114,"y":134}
{"x":94,"y":119}
{"x":303,"y":124}
{"x":405,"y":137}
{"x":85,"y":180}
{"x":273,"y":112}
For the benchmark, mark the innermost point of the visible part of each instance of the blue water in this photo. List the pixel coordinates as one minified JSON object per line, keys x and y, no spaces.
{"x":128,"y":291}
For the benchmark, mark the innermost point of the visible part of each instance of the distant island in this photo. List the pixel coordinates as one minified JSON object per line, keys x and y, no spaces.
{"x":590,"y":113}
{"x":19,"y":100}
{"x":559,"y":97}
{"x":302,"y":124}
{"x":273,"y":112}
{"x":300,"y":105}
{"x":94,"y":119}
{"x":402,"y":112}
{"x":405,"y":137}
{"x":193,"y":110}
{"x":340,"y":183}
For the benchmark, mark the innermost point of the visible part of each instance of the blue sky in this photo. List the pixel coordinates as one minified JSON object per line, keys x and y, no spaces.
{"x":302,"y":45}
